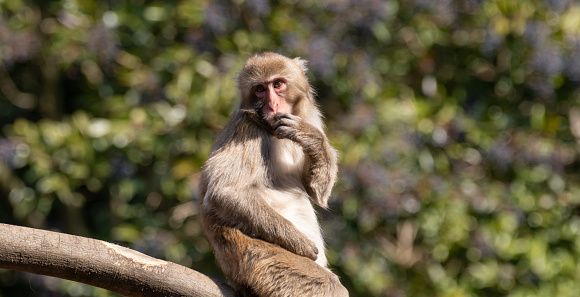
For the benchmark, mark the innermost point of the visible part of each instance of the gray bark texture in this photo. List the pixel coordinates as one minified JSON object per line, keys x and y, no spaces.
{"x":101,"y":264}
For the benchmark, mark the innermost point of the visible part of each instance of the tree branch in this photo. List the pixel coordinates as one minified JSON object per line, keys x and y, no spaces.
{"x":101,"y":264}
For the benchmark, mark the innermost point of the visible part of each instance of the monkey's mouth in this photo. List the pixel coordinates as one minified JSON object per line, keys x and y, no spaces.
{"x":267,"y":113}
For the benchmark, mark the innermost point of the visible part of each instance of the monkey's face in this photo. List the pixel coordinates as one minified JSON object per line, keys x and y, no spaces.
{"x":272,"y":84}
{"x":271,"y":98}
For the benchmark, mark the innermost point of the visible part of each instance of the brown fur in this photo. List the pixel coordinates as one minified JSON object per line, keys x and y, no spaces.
{"x":258,"y":184}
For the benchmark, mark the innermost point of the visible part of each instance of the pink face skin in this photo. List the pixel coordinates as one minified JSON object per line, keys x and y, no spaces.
{"x":272,"y":93}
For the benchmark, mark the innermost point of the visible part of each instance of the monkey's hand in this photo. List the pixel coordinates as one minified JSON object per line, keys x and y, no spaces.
{"x":294,"y":128}
{"x":301,"y":246}
{"x":320,"y":170}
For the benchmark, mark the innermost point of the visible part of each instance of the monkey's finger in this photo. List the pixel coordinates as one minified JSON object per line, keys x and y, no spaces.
{"x":282,"y":115}
{"x":287,"y":116}
{"x":310,"y":254}
{"x":314,"y":255}
{"x":281,"y":123}
{"x":286,"y":122}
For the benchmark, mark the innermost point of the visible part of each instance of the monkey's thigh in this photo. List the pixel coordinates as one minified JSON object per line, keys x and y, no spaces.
{"x":268,"y":270}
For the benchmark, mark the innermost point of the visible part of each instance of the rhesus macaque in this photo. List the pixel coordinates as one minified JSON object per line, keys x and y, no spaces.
{"x":267,"y":165}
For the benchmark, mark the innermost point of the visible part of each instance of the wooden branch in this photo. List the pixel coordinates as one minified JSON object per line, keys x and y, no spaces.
{"x":101,"y":264}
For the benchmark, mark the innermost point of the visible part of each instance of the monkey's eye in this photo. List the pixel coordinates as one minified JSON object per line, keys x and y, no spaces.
{"x":260,"y":89}
{"x":278,"y":84}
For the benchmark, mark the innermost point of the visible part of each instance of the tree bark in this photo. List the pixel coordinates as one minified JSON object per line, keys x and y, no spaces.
{"x":101,"y":264}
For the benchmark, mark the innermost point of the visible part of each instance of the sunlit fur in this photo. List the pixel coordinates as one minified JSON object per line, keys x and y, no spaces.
{"x":258,"y":184}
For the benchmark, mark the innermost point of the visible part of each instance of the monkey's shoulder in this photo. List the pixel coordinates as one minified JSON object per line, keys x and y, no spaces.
{"x":241,"y":129}
{"x":233,"y":157}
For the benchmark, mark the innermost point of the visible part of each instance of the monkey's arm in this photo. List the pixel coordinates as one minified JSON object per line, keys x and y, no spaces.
{"x":243,"y":209}
{"x":320,"y":169}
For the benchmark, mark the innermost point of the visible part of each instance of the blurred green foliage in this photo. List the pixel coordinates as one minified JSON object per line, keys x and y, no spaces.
{"x":458,"y":123}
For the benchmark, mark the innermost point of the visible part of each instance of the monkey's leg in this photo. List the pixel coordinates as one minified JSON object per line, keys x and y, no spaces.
{"x":257,"y":268}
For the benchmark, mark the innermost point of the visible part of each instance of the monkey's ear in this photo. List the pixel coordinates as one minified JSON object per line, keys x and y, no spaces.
{"x":302,"y":64}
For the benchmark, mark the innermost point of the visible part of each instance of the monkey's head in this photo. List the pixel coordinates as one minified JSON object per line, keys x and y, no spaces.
{"x":274,"y":84}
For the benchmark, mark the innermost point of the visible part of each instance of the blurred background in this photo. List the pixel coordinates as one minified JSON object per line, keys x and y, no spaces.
{"x":457,"y":121}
